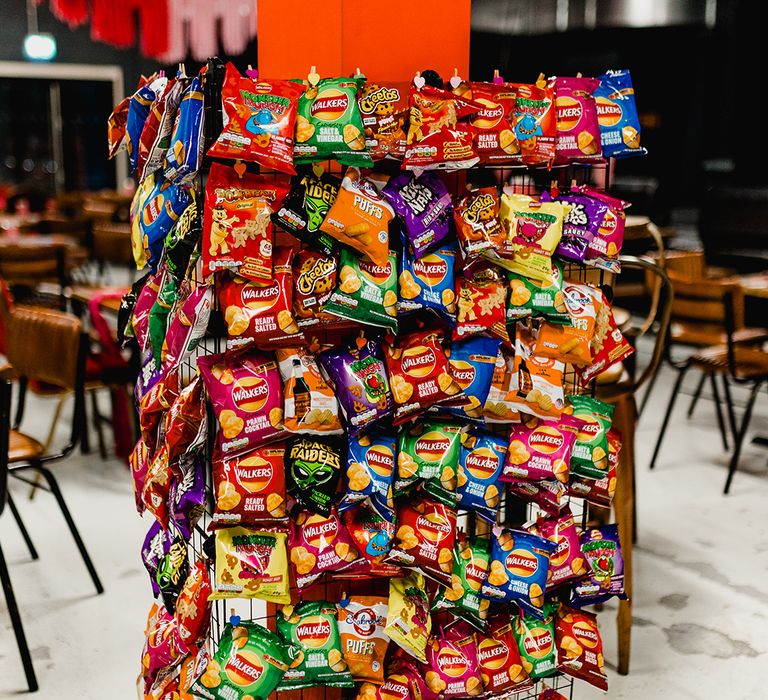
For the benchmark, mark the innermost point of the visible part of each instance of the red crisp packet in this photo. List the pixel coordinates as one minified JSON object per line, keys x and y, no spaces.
{"x":452,"y":661}
{"x":237,"y":231}
{"x":185,"y":420}
{"x":157,"y":486}
{"x":259,"y":121}
{"x":384,"y":109}
{"x":193,"y":609}
{"x":153,"y":404}
{"x":495,"y":140}
{"x":501,"y":668}
{"x":419,"y":375}
{"x":372,"y":529}
{"x":319,"y":544}
{"x":579,"y":647}
{"x":481,"y":308}
{"x":138,"y":461}
{"x":535,"y":123}
{"x":261,"y":314}
{"x":567,"y":562}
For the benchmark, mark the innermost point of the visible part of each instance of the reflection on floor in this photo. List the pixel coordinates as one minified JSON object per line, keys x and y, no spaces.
{"x":701,"y":604}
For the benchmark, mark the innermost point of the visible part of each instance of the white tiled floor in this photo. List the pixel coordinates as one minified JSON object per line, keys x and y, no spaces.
{"x":701,"y":603}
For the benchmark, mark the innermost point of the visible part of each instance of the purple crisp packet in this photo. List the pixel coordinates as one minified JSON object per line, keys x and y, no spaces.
{"x":424,"y":205}
{"x":362,"y":385}
{"x":149,"y":375}
{"x":187,"y":494}
{"x":602,"y":550}
{"x":580,"y":225}
{"x":156,"y":544}
{"x":188,"y":324}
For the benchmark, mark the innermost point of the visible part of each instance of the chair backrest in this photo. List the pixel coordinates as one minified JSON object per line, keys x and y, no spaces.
{"x":29,"y":265}
{"x":112,"y":242}
{"x":691,"y":263}
{"x":5,"y":430}
{"x":701,"y":303}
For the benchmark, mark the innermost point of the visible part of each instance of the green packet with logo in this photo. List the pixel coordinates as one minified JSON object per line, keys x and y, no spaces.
{"x":536,"y":642}
{"x":366,"y":292}
{"x":471,"y":559}
{"x":541,"y":299}
{"x":305,"y":206}
{"x":589,"y":457}
{"x":329,"y":125}
{"x":312,"y":628}
{"x":250,"y":662}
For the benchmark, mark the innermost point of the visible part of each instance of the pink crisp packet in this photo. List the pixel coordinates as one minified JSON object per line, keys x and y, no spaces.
{"x":549,"y":495}
{"x":566,"y":563}
{"x":163,"y":646}
{"x":452,"y":661}
{"x":319,"y":544}
{"x":247,"y":397}
{"x":578,"y":131}
{"x":139,"y":463}
{"x":605,"y":246}
{"x":147,"y":297}
{"x":188,"y":324}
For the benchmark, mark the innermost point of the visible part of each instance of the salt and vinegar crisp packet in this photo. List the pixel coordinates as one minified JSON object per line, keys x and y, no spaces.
{"x":535,"y":637}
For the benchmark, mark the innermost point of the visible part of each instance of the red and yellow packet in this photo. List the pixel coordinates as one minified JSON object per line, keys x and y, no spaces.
{"x":579,"y":646}
{"x":478,"y":224}
{"x":384,"y":109}
{"x":261,"y":314}
{"x":259,"y":121}
{"x":193,"y":609}
{"x":495,"y":138}
{"x":186,"y":420}
{"x":237,"y":230}
{"x":501,"y":668}
{"x":578,"y":131}
{"x":250,"y":487}
{"x":567,"y":562}
{"x":360,"y":217}
{"x":481,"y":303}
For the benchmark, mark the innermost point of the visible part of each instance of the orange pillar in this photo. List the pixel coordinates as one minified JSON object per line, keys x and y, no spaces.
{"x":386,"y":43}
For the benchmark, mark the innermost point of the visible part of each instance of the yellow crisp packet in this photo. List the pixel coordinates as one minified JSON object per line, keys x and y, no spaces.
{"x":251,"y":564}
{"x":409,"y":623}
{"x":534,"y":229}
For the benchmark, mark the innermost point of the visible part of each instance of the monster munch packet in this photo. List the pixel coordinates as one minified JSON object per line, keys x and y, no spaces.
{"x":535,"y":123}
{"x":602,"y":551}
{"x":313,"y":468}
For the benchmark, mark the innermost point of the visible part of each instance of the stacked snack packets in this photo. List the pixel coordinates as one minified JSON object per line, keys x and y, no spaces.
{"x":398,"y":367}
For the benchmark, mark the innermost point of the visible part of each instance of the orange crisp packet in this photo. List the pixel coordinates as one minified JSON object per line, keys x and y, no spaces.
{"x":537,"y":382}
{"x":363,"y":642}
{"x":360,"y":217}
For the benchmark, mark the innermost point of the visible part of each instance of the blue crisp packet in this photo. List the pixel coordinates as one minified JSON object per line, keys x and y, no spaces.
{"x":163,"y":207}
{"x":481,"y":461}
{"x":370,"y":469}
{"x":617,"y":115}
{"x":138,"y":111}
{"x":428,"y":283}
{"x":471,"y":363}
{"x":185,"y":152}
{"x":518,"y":570}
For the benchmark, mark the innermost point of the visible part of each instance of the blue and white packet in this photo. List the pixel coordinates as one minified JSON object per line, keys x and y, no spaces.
{"x":164,"y":205}
{"x":428,"y":283}
{"x":185,"y":152}
{"x":481,"y":461}
{"x":138,"y":111}
{"x":617,"y":115}
{"x":370,"y":470}
{"x":472,"y":362}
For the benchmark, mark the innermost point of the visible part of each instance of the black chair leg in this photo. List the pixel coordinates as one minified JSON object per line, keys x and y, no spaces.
{"x":648,"y":391}
{"x":56,"y":491}
{"x":719,"y":411}
{"x":18,"y":628}
{"x":20,"y":403}
{"x":697,"y":394}
{"x":22,"y":528}
{"x":729,"y":406}
{"x":740,"y":437}
{"x":670,"y":406}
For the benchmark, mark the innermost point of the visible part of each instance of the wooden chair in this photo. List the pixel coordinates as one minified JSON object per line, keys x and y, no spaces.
{"x":26,"y":267}
{"x":112,"y":245}
{"x":619,"y":387}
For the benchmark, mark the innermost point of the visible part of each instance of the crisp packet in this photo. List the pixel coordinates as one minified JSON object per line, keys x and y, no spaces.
{"x":495,"y":140}
{"x":329,"y":126}
{"x":310,"y":404}
{"x":157,"y":487}
{"x":312,"y":469}
{"x":237,"y":234}
{"x":566,"y":563}
{"x":425,"y":538}
{"x":409,"y":623}
{"x":590,"y":453}
{"x":359,"y":217}
{"x":541,"y":450}
{"x":481,"y":460}
{"x":193,"y":609}
{"x":605,"y":247}
{"x":471,"y":363}
{"x":138,"y":112}
{"x":251,"y":564}
{"x":452,"y":660}
{"x":617,"y":115}
{"x":580,"y":224}
{"x":259,"y":118}
{"x":424,"y":205}
{"x":186,"y":422}
{"x":602,"y":550}
{"x":535,"y":635}
{"x":370,"y":469}
{"x":579,"y":647}
{"x":534,"y":298}
{"x":518,"y":569}
{"x":404,"y":681}
{"x":478,"y":224}
{"x":599,"y":492}
{"x":319,"y":544}
{"x":312,"y":628}
{"x":419,"y":375}
{"x":364,"y":645}
{"x":501,"y":404}
{"x":549,"y":494}
{"x":185,"y":151}
{"x":162,"y":208}
{"x":156,"y":543}
{"x":314,"y":277}
{"x":144,"y":189}
{"x":428,"y":283}
{"x":578,"y":133}
{"x":138,"y":461}
{"x":481,"y":302}
{"x":246,"y":393}
{"x":471,"y":559}
{"x":249,"y":663}
{"x":250,"y":487}
{"x":163,"y":646}
{"x":384,"y":110}
{"x":261,"y":313}
{"x":371,"y":524}
{"x":429,"y":452}
{"x":501,"y":667}
{"x":188,"y":324}
{"x":117,"y":122}
{"x":359,"y":376}
{"x":186,"y":496}
{"x":156,"y":134}
{"x":366,"y":292}
{"x":535,"y":122}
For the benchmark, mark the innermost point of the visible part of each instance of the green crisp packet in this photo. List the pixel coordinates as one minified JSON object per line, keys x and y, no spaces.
{"x":250,"y":661}
{"x":531,"y":298}
{"x":471,"y":559}
{"x":366,"y":293}
{"x":312,"y":628}
{"x":590,"y":452}
{"x":536,"y":642}
{"x":329,"y":125}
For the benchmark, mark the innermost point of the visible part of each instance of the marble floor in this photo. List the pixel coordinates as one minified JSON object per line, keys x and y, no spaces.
{"x":701,"y":601}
